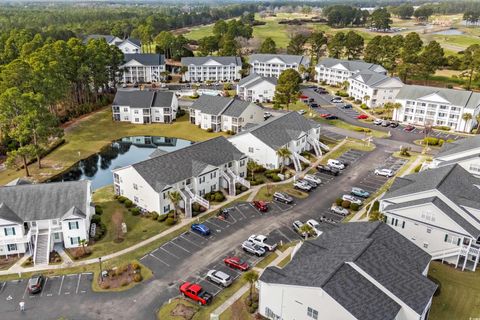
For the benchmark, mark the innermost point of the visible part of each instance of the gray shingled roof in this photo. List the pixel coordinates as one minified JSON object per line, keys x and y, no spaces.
{"x":176,"y":166}
{"x":146,"y":59}
{"x":351,"y":65}
{"x":47,"y":200}
{"x":276,"y":132}
{"x":143,"y":98}
{"x":163,"y":99}
{"x":286,"y":58}
{"x":216,"y":105}
{"x":7,"y":214}
{"x":134,"y":41}
{"x":372,"y":78}
{"x":254,"y":79}
{"x":198,"y":61}
{"x":462,"y":98}
{"x":236,"y":108}
{"x":378,"y":250}
{"x":108,"y":38}
{"x":459,"y":146}
{"x":18,"y":181}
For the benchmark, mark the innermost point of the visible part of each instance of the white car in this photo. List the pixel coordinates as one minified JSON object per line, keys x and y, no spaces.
{"x":219,"y":277}
{"x":262,"y":241}
{"x":352,"y":199}
{"x":384,"y":172}
{"x":339,"y":210}
{"x":315,"y":226}
{"x":301,"y":112}
{"x":377,"y":122}
{"x":302,"y":186}
{"x":335,"y":164}
{"x":312,"y":178}
{"x":336,"y":100}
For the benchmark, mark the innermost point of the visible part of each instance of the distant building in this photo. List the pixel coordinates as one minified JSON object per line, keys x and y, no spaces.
{"x":257,"y":88}
{"x":127,"y":46}
{"x":336,"y":71}
{"x":422,"y":105}
{"x":272,"y":65}
{"x":143,"y":68}
{"x":465,"y":152}
{"x":212,"y":68}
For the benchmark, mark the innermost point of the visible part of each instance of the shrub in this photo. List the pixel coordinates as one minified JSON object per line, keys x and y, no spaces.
{"x":170,"y":221}
{"x":98,"y":210}
{"x":122,"y":199}
{"x":105,"y":286}
{"x":219,"y":197}
{"x":450,"y":140}
{"x":417,"y":168}
{"x":346,"y":204}
{"x":440,"y":142}
{"x":405,"y":151}
{"x":171,"y":215}
{"x":276,"y":178}
{"x":195,"y":207}
{"x":341,"y":93}
{"x":96,"y":218}
{"x":138,"y":277}
{"x":243,"y":188}
{"x":135,"y":266}
{"x":128,"y":203}
{"x":445,"y":128}
{"x":153,"y":215}
{"x":209,"y":130}
{"x":339,"y":201}
{"x":162,"y":217}
{"x":124,"y":283}
{"x":431,"y":141}
{"x":135,"y":211}
{"x":354,"y":206}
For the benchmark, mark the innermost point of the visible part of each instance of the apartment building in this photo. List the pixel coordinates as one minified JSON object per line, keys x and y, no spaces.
{"x":212,"y":68}
{"x":127,"y":46}
{"x":143,"y":68}
{"x":336,"y":71}
{"x":465,"y":152}
{"x":257,"y":88}
{"x":272,"y":65}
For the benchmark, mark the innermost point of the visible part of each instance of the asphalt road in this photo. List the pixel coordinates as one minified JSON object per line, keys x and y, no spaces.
{"x":190,"y":256}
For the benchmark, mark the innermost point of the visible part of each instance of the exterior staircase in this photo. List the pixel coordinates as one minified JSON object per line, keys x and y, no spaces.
{"x":231,"y":182}
{"x":239,"y":179}
{"x":187,"y":200}
{"x":302,"y":158}
{"x":296,"y":162}
{"x":323,"y":146}
{"x":316,"y":145}
{"x":196,"y":198}
{"x":42,"y":250}
{"x":462,"y":253}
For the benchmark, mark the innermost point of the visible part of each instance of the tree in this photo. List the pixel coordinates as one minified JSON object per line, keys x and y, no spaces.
{"x":307,"y":230}
{"x":318,"y":42}
{"x":477,"y":118}
{"x":423,"y":13}
{"x":353,"y":45}
{"x":336,"y":45}
{"x":229,"y":47}
{"x":409,"y":55}
{"x":165,"y":41}
{"x":283,"y":153}
{"x":380,"y":19}
{"x":431,"y":59}
{"x":175,"y":198}
{"x":466,"y":117}
{"x":404,"y":11}
{"x":390,"y":107}
{"x":268,"y":46}
{"x":288,"y":87}
{"x":220,"y":28}
{"x":470,"y":63}
{"x":345,"y":85}
{"x":22,"y":153}
{"x":208,"y":45}
{"x":296,"y":44}
{"x":83,"y":243}
{"x":183,"y":70}
{"x":471,"y":17}
{"x":251,"y":277}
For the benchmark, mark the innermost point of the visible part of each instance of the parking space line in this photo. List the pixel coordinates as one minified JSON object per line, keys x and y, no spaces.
{"x":168,"y":252}
{"x":3,"y":286}
{"x":196,"y":245}
{"x":156,"y":258}
{"x":25,"y":292}
{"x":195,"y":234}
{"x":283,"y":234}
{"x":61,"y":284}
{"x":241,"y":212}
{"x":154,"y":251}
{"x":216,"y":225}
{"x":78,"y":283}
{"x":44,"y":285}
{"x":179,"y":246}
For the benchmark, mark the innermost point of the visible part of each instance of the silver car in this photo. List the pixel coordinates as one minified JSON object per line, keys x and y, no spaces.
{"x":352,"y":199}
{"x":339,"y":210}
{"x":302,"y":186}
{"x":219,"y":277}
{"x":250,"y":247}
{"x":312,"y":178}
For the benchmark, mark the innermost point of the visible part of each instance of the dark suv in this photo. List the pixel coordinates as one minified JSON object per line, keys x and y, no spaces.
{"x":35,"y":283}
{"x":328,"y":170}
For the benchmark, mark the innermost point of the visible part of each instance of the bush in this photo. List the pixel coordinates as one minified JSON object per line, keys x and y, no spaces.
{"x":341,"y":93}
{"x":96,"y":219}
{"x":219,"y":197}
{"x":135,"y":211}
{"x":354,"y":206}
{"x":195,"y":207}
{"x":209,"y":130}
{"x":138,"y":277}
{"x":122,"y":199}
{"x":243,"y":188}
{"x":431,"y":141}
{"x":444,"y":128}
{"x":170,"y":221}
{"x":171,"y":215}
{"x":440,"y":142}
{"x":98,"y":210}
{"x":417,"y":168}
{"x":153,"y":215}
{"x":162,"y":217}
{"x":276,"y":178}
{"x":346,"y":204}
{"x":135,"y":266}
{"x":128,"y":203}
{"x":124,"y":283}
{"x":339,"y":201}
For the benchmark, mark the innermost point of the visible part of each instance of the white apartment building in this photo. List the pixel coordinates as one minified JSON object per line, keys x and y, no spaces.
{"x":35,"y":217}
{"x":439,"y":211}
{"x":193,"y":171}
{"x":354,"y":271}
{"x":257,"y":88}
{"x":129,"y":45}
{"x":465,"y":152}
{"x":143,"y":106}
{"x":374,"y":89}
{"x":422,"y":105}
{"x":290,"y":130}
{"x":224,"y":114}
{"x":336,"y":71}
{"x":143,"y":68}
{"x":272,"y":65}
{"x":212,"y":68}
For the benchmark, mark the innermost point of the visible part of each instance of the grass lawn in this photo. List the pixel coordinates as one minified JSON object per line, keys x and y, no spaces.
{"x":351,"y":127}
{"x":459,"y":295}
{"x":285,"y":261}
{"x":267,"y":260}
{"x":92,"y":133}
{"x":266,"y":195}
{"x":238,"y":310}
{"x":278,"y":32}
{"x":165,"y":311}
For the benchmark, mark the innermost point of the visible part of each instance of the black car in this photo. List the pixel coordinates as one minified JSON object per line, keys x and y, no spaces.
{"x":347,"y":106}
{"x":313,"y":105}
{"x":331,"y":117}
{"x":394,"y":124}
{"x":327,"y":170}
{"x":35,"y":283}
{"x":311,"y":100}
{"x":282,"y":197}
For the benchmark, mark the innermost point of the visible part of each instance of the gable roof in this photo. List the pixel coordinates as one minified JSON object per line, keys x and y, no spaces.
{"x":351,"y":65}
{"x":167,"y":169}
{"x":7,"y":214}
{"x":143,"y":98}
{"x":47,"y":200}
{"x":462,"y":98}
{"x":217,"y":105}
{"x":18,"y":181}
{"x":286,"y":58}
{"x":133,"y":41}
{"x":254,"y":79}
{"x":278,"y":131}
{"x":372,"y":78}
{"x":146,"y":59}
{"x":458,"y":146}
{"x":108,"y":37}
{"x":380,"y":251}
{"x":198,"y":61}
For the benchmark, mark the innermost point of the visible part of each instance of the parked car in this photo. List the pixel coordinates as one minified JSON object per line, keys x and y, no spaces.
{"x":352,"y":199}
{"x":328,"y":170}
{"x":250,"y":247}
{"x":393,"y":124}
{"x":282,"y":197}
{"x":267,"y":115}
{"x":339,"y":210}
{"x":297,"y":227}
{"x":299,"y":184}
{"x":219,"y":277}
{"x":331,"y":117}
{"x":362,"y":116}
{"x":312,"y":178}
{"x":385,"y":123}
{"x":260,"y":206}
{"x":315,"y":226}
{"x":263,"y":242}
{"x":195,"y":292}
{"x":236,"y":263}
{"x":347,"y":106}
{"x":359,"y":192}
{"x":200,"y":228}
{"x":336,"y":100}
{"x":313,"y":105}
{"x":335,"y":164}
{"x":301,"y":112}
{"x":35,"y":283}
{"x":322,"y":91}
{"x":377,"y":122}
{"x":311,"y":100}
{"x":409,"y":128}
{"x":312,"y":184}
{"x":384,"y":172}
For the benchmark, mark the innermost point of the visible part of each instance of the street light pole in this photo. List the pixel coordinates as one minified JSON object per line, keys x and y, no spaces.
{"x":101,"y":273}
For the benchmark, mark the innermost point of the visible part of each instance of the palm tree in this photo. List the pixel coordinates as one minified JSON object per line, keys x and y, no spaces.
{"x":396,"y":107}
{"x":283,"y":153}
{"x":83,"y":243}
{"x":165,"y":75}
{"x":466,"y":117}
{"x":366,"y":98}
{"x":252,"y":277}
{"x":183,"y":70}
{"x":175,"y":199}
{"x":306,"y":229}
{"x":345,"y":85}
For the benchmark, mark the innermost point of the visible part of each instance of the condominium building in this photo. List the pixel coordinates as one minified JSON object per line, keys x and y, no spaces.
{"x":127,"y":46}
{"x":272,"y":65}
{"x":211,"y":68}
{"x":143,"y":68}
{"x":257,"y":88}
{"x":336,"y":71}
{"x":465,"y":152}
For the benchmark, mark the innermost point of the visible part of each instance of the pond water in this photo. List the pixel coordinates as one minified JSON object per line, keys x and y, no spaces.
{"x":123,"y":152}
{"x":449,"y":32}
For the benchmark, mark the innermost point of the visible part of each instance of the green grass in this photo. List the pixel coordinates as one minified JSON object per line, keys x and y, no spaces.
{"x":165,"y":311}
{"x":89,"y":135}
{"x":351,"y":127}
{"x":266,"y":195}
{"x":284,"y":261}
{"x":199,"y":32}
{"x":459,"y":295}
{"x":238,"y":310}
{"x":278,"y":32}
{"x":267,"y":260}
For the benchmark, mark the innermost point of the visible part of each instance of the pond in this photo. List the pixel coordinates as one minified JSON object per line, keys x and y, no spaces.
{"x":449,"y":32}
{"x":123,"y":152}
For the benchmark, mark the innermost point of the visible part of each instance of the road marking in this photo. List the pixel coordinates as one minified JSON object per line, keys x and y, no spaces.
{"x":44,"y":285}
{"x":283,"y":234}
{"x":61,"y":284}
{"x":196,"y":245}
{"x":180,"y":246}
{"x":155,"y":257}
{"x":3,"y":286}
{"x":78,"y":283}
{"x":197,"y":235}
{"x":211,"y":222}
{"x":25,"y":292}
{"x":168,"y":252}
{"x":154,"y":251}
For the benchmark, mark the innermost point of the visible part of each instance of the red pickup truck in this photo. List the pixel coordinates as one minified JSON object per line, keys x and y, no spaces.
{"x":261,"y":206}
{"x":195,"y":292}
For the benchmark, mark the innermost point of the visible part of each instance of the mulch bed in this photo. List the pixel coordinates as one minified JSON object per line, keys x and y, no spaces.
{"x":8,"y":261}
{"x":120,"y":276}
{"x":183,"y":311}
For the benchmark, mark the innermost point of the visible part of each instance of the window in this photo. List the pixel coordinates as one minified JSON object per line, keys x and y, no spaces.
{"x":213,"y":188}
{"x":135,"y":199}
{"x":9,"y":231}
{"x":475,"y":167}
{"x":242,"y":163}
{"x":12,"y":247}
{"x":425,"y":245}
{"x":75,"y":241}
{"x":135,"y":111}
{"x":137,"y":120}
{"x":125,"y":109}
{"x":213,"y":175}
{"x":312,"y":313}
{"x":73,"y":225}
{"x":250,"y":149}
{"x":270,"y":314}
{"x":403,"y":225}
{"x":135,"y":187}
{"x":166,"y":209}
